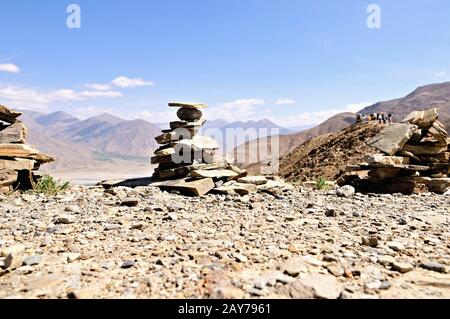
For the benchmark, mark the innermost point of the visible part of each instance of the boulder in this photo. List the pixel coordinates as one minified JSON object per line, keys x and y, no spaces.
{"x":189,"y":114}
{"x":423,"y":119}
{"x":393,"y":138}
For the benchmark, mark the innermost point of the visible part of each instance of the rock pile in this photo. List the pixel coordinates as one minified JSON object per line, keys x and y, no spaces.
{"x":17,"y":159}
{"x":415,"y":158}
{"x":187,"y":162}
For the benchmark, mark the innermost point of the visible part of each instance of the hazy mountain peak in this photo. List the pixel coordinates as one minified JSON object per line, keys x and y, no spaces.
{"x":108,"y":118}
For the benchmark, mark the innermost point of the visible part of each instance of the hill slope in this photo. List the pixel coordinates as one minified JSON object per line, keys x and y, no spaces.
{"x":327,"y":155}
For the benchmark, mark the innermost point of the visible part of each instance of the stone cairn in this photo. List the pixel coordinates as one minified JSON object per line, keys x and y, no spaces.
{"x":18,"y":161}
{"x":187,"y":162}
{"x":414,"y":158}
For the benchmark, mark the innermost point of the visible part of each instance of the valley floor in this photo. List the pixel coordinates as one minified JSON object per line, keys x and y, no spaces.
{"x":297,"y":244}
{"x":91,"y":176}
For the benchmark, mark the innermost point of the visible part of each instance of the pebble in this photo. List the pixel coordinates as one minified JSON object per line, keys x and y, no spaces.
{"x":346,"y":191}
{"x":32,"y":260}
{"x":370,"y":241}
{"x":128,"y":264}
{"x":65,"y":219}
{"x":130,"y":202}
{"x":402,"y":267}
{"x":395,"y":246}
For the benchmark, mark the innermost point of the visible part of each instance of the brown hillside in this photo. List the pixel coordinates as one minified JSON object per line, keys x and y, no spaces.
{"x":327,"y":155}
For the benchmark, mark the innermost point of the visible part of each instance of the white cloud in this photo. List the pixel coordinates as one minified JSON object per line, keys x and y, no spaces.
{"x":439,"y":74}
{"x":239,"y":110}
{"x":9,"y":67}
{"x":98,"y":87}
{"x":94,"y":94}
{"x":315,"y":118}
{"x":124,"y":82}
{"x":29,"y":98}
{"x":283,"y":101}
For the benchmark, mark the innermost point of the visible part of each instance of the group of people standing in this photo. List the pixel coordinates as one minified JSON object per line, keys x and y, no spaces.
{"x":382,"y":118}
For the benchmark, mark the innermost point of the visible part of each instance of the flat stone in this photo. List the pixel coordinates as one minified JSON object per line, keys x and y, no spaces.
{"x":298,"y":265}
{"x":425,"y":148}
{"x":188,"y":105}
{"x":65,"y":219}
{"x":437,"y":267}
{"x":256,"y":180}
{"x":179,"y":125}
{"x":382,"y":159}
{"x":402,"y":267}
{"x":386,"y":260}
{"x":335,"y":270}
{"x":224,"y":173}
{"x":130,"y":202}
{"x":316,"y":286}
{"x":393,"y":138}
{"x":233,"y":187}
{"x":395,"y":246}
{"x":197,"y":143}
{"x":128,"y":264}
{"x":32,"y":260}
{"x":193,"y":187}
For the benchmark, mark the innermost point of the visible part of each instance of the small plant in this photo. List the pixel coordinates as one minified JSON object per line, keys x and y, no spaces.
{"x":48,"y":186}
{"x":321,"y":183}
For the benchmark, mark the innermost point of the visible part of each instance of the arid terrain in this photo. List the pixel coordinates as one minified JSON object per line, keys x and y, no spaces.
{"x":294,"y":243}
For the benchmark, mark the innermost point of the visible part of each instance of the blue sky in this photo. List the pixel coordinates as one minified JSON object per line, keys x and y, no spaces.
{"x":295,"y":62}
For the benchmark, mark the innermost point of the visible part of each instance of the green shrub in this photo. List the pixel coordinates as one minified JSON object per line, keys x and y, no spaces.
{"x":48,"y":186}
{"x":321,"y":183}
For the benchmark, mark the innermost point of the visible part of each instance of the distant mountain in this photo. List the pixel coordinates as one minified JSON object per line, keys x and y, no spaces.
{"x":245,"y":131}
{"x":91,"y":142}
{"x":256,"y":151}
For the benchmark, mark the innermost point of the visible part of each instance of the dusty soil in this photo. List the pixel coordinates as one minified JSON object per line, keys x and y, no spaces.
{"x":327,"y":156}
{"x":291,"y":244}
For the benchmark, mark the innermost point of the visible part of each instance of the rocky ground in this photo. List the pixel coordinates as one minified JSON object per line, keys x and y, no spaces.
{"x":144,"y":243}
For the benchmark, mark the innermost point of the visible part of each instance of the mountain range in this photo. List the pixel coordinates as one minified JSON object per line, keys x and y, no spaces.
{"x":106,"y":140}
